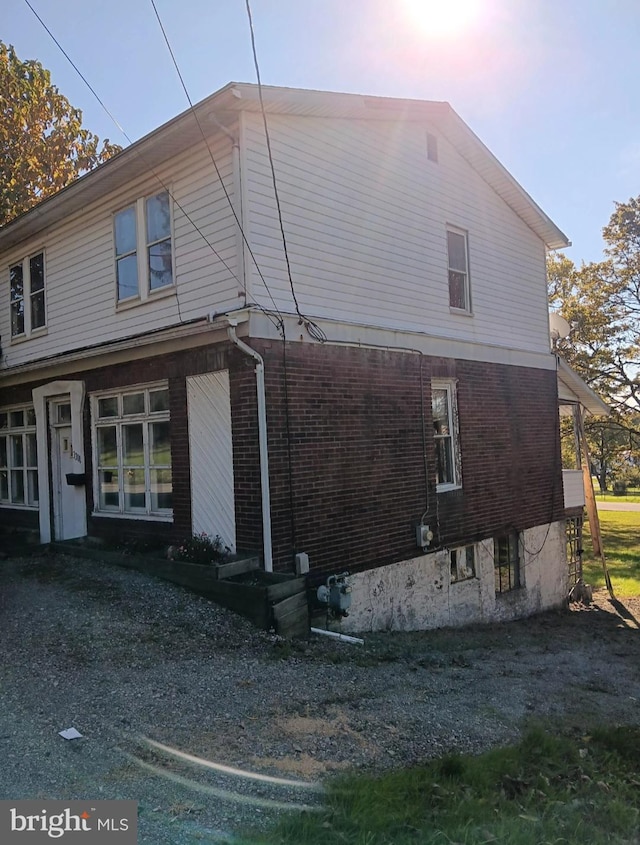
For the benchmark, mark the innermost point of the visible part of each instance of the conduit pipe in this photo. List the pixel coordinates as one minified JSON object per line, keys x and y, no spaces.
{"x":262,"y":442}
{"x":336,"y":635}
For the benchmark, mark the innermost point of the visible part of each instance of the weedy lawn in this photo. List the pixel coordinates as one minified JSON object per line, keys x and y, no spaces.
{"x":550,"y":788}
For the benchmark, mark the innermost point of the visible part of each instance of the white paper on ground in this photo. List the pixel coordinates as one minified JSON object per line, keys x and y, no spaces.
{"x":70,"y":733}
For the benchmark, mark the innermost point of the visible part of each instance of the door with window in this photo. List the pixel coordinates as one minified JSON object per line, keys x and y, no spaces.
{"x":68,"y":495}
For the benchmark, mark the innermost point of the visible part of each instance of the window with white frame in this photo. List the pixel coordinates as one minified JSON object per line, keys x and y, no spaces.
{"x":132,"y":451}
{"x":506,"y":562}
{"x":462,"y":563}
{"x":143,"y":248}
{"x":26,"y":296}
{"x":18,"y":457}
{"x":445,"y":433}
{"x":458,"y":258}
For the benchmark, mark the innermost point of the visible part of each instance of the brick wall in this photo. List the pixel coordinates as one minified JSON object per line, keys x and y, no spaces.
{"x":348,"y":482}
{"x":347,"y":473}
{"x":174,"y":367}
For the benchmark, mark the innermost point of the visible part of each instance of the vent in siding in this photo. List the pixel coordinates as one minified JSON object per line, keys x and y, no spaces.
{"x":432,"y":147}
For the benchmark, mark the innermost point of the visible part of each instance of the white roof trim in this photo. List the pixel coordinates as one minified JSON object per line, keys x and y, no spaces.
{"x":572,"y":389}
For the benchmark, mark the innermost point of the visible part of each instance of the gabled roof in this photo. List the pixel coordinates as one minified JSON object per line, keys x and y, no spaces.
{"x":219,"y":112}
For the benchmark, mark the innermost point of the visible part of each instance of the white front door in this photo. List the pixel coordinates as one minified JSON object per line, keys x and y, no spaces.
{"x":68,"y":498}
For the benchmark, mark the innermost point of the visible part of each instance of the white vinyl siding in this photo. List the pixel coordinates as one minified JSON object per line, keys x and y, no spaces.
{"x":211,"y":453}
{"x":365,"y":214}
{"x":82,"y":306}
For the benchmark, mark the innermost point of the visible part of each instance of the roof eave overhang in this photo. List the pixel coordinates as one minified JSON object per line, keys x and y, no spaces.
{"x":574,"y":390}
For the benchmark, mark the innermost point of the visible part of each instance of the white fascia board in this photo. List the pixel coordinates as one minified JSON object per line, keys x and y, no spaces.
{"x":573,"y":389}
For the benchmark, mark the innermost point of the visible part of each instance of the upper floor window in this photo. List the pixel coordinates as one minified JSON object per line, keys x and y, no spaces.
{"x":458,"y":257}
{"x":506,"y":561}
{"x":18,"y":457}
{"x":445,"y":433}
{"x":144,"y":255}
{"x":132,"y":451}
{"x":26,"y":292}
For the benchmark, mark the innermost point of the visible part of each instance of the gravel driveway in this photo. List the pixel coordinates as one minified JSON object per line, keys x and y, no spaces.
{"x":144,"y":669}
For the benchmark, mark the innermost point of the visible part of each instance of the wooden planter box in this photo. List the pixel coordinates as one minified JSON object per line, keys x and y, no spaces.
{"x":268,"y":599}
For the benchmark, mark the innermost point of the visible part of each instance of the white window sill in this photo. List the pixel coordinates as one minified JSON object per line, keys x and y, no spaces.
{"x":136,"y":301}
{"x":446,"y":488}
{"x":22,"y":338}
{"x":16,"y":507}
{"x":461,"y":312}
{"x":145,"y":517}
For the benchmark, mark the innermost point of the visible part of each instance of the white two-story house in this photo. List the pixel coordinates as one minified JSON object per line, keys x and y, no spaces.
{"x":345,"y":354}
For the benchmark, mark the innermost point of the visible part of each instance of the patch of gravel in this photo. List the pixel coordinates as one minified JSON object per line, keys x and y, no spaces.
{"x":135,"y":663}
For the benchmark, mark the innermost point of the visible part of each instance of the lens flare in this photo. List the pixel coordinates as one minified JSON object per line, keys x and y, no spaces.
{"x":443,"y":18}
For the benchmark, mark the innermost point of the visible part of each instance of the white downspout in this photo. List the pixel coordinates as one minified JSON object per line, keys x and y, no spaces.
{"x":262,"y":441}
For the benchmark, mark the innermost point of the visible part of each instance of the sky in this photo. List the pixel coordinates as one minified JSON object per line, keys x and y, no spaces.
{"x":550,"y":86}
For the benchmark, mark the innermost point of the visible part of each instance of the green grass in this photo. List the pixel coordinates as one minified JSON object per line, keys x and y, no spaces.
{"x":548,"y":789}
{"x":625,"y":497}
{"x":621,"y":542}
{"x":632,"y":495}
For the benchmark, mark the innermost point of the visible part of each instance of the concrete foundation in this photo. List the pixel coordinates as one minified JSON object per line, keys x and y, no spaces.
{"x":418,"y":594}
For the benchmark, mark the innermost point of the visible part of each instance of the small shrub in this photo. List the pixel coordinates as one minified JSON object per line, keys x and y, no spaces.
{"x":202,"y":549}
{"x":619,"y":488}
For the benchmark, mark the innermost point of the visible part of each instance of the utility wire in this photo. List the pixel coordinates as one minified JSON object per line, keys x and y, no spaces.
{"x":149,"y":166}
{"x":312,"y":328}
{"x":213,"y":161}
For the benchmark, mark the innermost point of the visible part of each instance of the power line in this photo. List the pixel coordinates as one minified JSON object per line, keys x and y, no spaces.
{"x":312,"y":328}
{"x":213,"y":160}
{"x":149,"y":166}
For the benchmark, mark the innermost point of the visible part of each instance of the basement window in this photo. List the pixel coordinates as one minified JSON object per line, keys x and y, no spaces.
{"x":462,"y":563}
{"x":507,"y":562}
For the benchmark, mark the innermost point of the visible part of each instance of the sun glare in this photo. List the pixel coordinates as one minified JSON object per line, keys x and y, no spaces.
{"x":443,"y":18}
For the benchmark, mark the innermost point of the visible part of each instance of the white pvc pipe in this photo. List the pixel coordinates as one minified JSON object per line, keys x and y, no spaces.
{"x":262,"y":441}
{"x":345,"y":638}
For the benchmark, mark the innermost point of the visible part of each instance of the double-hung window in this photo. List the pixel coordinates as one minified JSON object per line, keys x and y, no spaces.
{"x":506,"y":561}
{"x":18,"y":458}
{"x":132,"y":452}
{"x":143,"y":247}
{"x":445,"y":433}
{"x":26,"y":296}
{"x":458,"y":259}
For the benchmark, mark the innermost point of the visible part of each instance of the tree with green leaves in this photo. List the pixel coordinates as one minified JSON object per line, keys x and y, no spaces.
{"x":601,"y":301}
{"x":43,"y":146}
